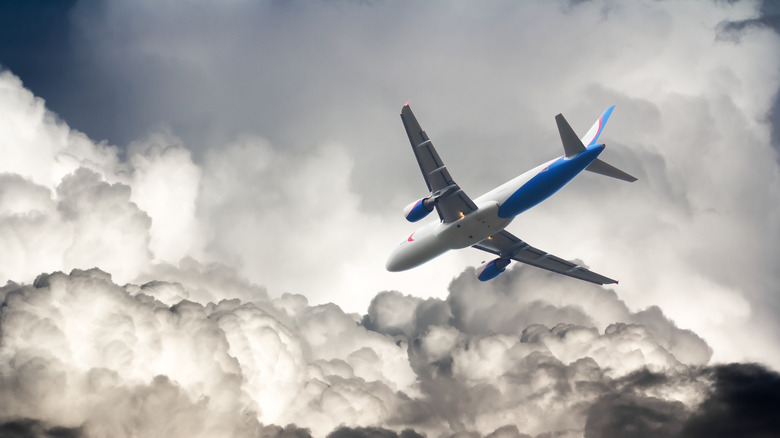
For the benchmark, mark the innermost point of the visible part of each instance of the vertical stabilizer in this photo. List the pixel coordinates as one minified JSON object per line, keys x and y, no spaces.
{"x":571,"y":143}
{"x":593,"y":133}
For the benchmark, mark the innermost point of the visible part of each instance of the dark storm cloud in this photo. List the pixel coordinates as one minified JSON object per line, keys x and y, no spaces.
{"x":625,"y":414}
{"x":29,"y":428}
{"x":289,"y":431}
{"x":372,"y":432}
{"x":769,"y":17}
{"x":744,"y":402}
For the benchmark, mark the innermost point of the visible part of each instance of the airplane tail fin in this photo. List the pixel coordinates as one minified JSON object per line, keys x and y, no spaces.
{"x":573,"y":145}
{"x":593,"y":133}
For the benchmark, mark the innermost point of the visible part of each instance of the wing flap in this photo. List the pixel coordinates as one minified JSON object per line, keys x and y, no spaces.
{"x":505,"y":244}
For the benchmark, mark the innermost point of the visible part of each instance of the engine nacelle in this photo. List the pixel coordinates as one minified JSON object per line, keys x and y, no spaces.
{"x":418,"y":209}
{"x":490,"y":270}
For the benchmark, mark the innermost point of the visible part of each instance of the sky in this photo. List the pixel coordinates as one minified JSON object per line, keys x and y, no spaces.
{"x":197,"y":200}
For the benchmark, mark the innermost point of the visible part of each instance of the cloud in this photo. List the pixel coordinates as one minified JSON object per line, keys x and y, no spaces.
{"x":225,"y":257}
{"x":89,"y":223}
{"x":90,"y":356}
{"x":372,"y":432}
{"x":166,"y":184}
{"x":25,"y":427}
{"x":81,"y":350}
{"x":743,"y":394}
{"x":635,"y":415}
{"x":524,"y":297}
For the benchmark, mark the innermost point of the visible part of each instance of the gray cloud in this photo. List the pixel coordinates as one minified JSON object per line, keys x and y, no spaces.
{"x":523,"y":297}
{"x":626,"y":414}
{"x":743,"y":395}
{"x":372,"y":432}
{"x":29,"y":428}
{"x":96,"y":358}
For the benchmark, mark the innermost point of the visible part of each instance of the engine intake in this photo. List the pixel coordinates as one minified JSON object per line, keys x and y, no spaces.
{"x":419,"y":209}
{"x":490,"y":270}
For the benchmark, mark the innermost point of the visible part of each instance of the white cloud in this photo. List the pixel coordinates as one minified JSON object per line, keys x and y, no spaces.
{"x":78,"y":348}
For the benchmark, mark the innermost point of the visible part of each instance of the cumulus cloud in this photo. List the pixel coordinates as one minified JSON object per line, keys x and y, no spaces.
{"x":85,"y":355}
{"x":80,"y":350}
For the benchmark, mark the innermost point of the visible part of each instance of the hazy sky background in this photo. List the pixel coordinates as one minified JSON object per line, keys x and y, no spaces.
{"x":253,"y":151}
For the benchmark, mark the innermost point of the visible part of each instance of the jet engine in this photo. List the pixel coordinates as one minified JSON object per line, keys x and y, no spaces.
{"x":419,"y":209}
{"x":490,"y":270}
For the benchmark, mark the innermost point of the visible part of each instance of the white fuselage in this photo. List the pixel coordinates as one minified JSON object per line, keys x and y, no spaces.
{"x":436,"y":238}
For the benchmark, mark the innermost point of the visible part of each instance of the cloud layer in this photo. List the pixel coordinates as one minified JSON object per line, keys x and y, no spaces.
{"x":84,"y":355}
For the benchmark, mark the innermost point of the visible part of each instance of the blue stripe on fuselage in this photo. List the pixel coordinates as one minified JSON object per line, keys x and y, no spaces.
{"x":545,"y":183}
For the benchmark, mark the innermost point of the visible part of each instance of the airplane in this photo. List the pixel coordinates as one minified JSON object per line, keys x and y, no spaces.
{"x":481,"y":223}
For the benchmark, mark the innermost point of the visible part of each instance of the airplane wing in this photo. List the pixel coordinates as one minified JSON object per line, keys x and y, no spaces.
{"x":451,"y":202}
{"x":505,"y":244}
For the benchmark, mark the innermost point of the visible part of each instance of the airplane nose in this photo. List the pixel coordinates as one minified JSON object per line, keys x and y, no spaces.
{"x":393,"y":263}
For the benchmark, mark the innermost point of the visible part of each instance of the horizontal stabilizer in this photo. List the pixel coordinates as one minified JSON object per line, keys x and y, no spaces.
{"x":572,"y":144}
{"x":605,"y":169}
